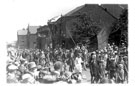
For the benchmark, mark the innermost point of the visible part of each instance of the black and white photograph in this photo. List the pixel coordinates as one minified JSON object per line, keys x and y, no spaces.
{"x":67,"y":42}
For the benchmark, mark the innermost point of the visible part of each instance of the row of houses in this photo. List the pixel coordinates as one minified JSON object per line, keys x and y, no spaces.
{"x":33,"y":37}
{"x":59,"y":29}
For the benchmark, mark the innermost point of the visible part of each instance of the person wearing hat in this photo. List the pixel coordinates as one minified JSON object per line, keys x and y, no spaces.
{"x":121,"y":61}
{"x":58,"y":68}
{"x":125,"y":68}
{"x":33,"y":70}
{"x":101,"y":67}
{"x":94,"y":70}
{"x":112,"y":68}
{"x":41,"y":59}
{"x":11,"y":75}
{"x":23,"y":67}
{"x":42,"y":55}
{"x":84,"y":58}
{"x":54,"y":75}
{"x":120,"y":77}
{"x":71,"y":61}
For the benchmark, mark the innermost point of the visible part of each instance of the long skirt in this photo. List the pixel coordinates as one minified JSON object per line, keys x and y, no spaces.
{"x":78,"y":68}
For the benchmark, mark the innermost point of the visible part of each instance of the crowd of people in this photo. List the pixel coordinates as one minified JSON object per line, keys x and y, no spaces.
{"x":107,"y":65}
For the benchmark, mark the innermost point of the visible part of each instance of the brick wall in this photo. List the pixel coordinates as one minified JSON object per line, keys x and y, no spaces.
{"x":32,"y":40}
{"x":22,"y":41}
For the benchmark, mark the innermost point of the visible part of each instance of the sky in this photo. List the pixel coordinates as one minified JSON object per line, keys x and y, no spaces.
{"x":19,"y":13}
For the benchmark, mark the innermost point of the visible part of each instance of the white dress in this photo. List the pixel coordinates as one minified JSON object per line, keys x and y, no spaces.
{"x":78,"y":65}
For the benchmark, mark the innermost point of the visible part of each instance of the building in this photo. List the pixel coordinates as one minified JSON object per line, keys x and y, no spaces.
{"x":43,"y":37}
{"x":32,"y":36}
{"x":27,"y":37}
{"x":56,"y":31}
{"x":117,"y":34}
{"x":104,"y":16}
{"x":22,"y":38}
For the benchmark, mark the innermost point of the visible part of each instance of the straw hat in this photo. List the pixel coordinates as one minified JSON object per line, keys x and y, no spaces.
{"x":32,"y":65}
{"x":12,"y":67}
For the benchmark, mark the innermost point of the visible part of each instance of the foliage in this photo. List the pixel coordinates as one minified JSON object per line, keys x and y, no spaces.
{"x":85,"y":28}
{"x":122,"y":25}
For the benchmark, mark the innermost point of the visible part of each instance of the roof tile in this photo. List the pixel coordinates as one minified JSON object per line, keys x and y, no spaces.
{"x":22,"y":32}
{"x":33,"y":29}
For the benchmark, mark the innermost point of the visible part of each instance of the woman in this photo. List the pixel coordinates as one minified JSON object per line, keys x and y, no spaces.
{"x":78,"y":63}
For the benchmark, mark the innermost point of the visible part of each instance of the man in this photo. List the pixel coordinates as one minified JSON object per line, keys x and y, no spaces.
{"x":35,"y":56}
{"x":42,"y":59}
{"x":85,"y":55}
{"x":112,"y":68}
{"x":33,"y":70}
{"x":93,"y":67}
{"x":120,"y":78}
{"x":101,"y":67}
{"x":58,"y":68}
{"x":71,"y":61}
{"x":125,"y":68}
{"x":43,"y":55}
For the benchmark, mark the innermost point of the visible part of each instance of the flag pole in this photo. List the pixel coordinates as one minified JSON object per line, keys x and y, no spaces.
{"x":71,"y":37}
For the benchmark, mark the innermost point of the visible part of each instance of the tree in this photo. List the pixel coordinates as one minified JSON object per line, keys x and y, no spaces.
{"x":85,"y":28}
{"x":122,"y":25}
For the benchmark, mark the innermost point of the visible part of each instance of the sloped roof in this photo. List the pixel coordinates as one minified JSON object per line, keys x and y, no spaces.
{"x":74,"y":10}
{"x":22,"y":32}
{"x":43,"y":28}
{"x":114,"y":9}
{"x":54,"y":19}
{"x":125,"y":6}
{"x":33,"y":29}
